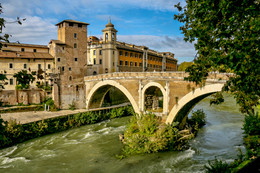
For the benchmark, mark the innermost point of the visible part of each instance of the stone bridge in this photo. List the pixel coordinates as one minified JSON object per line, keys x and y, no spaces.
{"x":179,"y":96}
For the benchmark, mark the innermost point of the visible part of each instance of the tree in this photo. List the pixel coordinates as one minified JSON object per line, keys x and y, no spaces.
{"x":2,"y":80}
{"x":226,"y":36}
{"x":23,"y":78}
{"x":184,"y":65}
{"x":5,"y":37}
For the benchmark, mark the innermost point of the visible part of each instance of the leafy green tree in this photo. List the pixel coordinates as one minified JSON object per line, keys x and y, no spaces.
{"x":226,"y":36}
{"x":2,"y":80}
{"x":184,"y":65}
{"x":23,"y":78}
{"x":5,"y":37}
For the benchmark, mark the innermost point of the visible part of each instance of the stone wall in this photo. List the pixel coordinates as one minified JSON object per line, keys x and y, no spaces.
{"x":13,"y":97}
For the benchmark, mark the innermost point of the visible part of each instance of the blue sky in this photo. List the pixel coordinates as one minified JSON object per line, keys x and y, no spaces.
{"x":140,"y":22}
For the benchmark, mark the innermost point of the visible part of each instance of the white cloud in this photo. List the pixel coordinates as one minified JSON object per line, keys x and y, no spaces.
{"x":174,"y":44}
{"x":34,"y":30}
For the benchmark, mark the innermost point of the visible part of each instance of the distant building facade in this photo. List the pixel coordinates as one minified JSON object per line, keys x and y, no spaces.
{"x":108,"y":55}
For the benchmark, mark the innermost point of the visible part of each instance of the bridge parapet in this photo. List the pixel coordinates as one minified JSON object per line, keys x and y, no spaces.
{"x":213,"y":77}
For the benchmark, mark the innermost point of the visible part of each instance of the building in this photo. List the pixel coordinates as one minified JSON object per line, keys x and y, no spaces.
{"x":15,"y":57}
{"x":108,"y":55}
{"x":65,"y":61}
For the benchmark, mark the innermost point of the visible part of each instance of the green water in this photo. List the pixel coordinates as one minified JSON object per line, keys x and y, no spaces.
{"x":92,"y":148}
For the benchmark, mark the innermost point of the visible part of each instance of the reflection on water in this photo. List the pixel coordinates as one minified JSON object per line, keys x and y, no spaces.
{"x":92,"y":148}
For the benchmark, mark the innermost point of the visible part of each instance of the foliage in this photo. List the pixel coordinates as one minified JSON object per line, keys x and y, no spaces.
{"x":12,"y":132}
{"x":2,"y":80}
{"x":23,"y":78}
{"x":217,"y":99}
{"x":147,"y":134}
{"x":227,"y":39}
{"x":217,"y":166}
{"x":197,"y":118}
{"x":72,"y":106}
{"x":184,"y":65}
{"x":252,"y":124}
{"x":5,"y":37}
{"x":49,"y":102}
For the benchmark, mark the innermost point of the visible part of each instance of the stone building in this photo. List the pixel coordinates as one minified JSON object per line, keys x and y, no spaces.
{"x":15,"y":57}
{"x":108,"y":55}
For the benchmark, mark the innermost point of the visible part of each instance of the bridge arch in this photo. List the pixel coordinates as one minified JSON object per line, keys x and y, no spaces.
{"x":186,"y":103}
{"x":114,"y":84}
{"x":158,"y":85}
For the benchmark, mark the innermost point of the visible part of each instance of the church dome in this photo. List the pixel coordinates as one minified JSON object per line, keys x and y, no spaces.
{"x":109,"y":24}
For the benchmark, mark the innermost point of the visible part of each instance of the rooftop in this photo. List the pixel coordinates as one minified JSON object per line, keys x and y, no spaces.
{"x":72,"y":21}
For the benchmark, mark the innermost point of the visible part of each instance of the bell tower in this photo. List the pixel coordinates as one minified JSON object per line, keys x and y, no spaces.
{"x":110,"y":55}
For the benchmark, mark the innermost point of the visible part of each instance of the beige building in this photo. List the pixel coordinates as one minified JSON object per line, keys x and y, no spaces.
{"x":108,"y":55}
{"x":15,"y":57}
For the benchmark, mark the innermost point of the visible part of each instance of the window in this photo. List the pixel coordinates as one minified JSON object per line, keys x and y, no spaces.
{"x":70,"y":78}
{"x":34,"y":50}
{"x":25,"y":66}
{"x":39,"y":66}
{"x":131,"y":64}
{"x":113,"y":52}
{"x":62,"y":68}
{"x":11,"y":65}
{"x":49,"y":66}
{"x":140,"y":64}
{"x":126,"y":63}
{"x":140,"y":56}
{"x":113,"y":36}
{"x":76,"y":59}
{"x":22,"y":49}
{"x":126,"y":53}
{"x":135,"y":64}
{"x":100,"y":61}
{"x":121,"y":53}
{"x":153,"y":66}
{"x":94,"y":60}
{"x":11,"y":81}
{"x":70,"y":24}
{"x":69,"y":68}
{"x":131,"y":54}
{"x":75,"y":35}
{"x":100,"y":52}
{"x":106,"y":37}
{"x":58,"y":59}
{"x":75,"y":45}
{"x":80,"y":25}
{"x":120,"y":62}
{"x":94,"y":52}
{"x":136,"y":55}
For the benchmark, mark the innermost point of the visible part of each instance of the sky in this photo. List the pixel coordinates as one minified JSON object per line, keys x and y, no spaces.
{"x":139,"y":22}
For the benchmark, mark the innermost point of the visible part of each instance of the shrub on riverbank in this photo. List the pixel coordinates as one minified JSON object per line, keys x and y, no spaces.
{"x":12,"y":133}
{"x":147,"y":134}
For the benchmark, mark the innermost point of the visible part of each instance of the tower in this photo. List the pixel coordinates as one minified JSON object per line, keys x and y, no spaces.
{"x":70,"y":52}
{"x":110,"y":55}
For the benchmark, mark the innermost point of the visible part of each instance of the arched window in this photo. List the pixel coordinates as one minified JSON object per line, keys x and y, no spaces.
{"x":106,"y":37}
{"x":75,"y":45}
{"x":94,"y":73}
{"x":113,"y":36}
{"x":70,"y":78}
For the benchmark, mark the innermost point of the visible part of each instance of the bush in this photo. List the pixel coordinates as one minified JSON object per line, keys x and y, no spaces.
{"x":252,"y":124}
{"x":49,"y":102}
{"x":197,"y":117}
{"x":217,"y":166}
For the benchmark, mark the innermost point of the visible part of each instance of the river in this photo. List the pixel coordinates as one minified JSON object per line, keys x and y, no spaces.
{"x":92,"y":148}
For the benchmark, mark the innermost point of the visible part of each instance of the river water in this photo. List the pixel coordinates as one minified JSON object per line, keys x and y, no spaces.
{"x":92,"y":148}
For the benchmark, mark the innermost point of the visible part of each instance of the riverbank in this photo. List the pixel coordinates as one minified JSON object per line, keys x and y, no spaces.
{"x":12,"y":133}
{"x":33,"y":116}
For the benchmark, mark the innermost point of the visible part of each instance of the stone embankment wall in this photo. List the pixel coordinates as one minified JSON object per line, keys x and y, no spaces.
{"x":13,"y":97}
